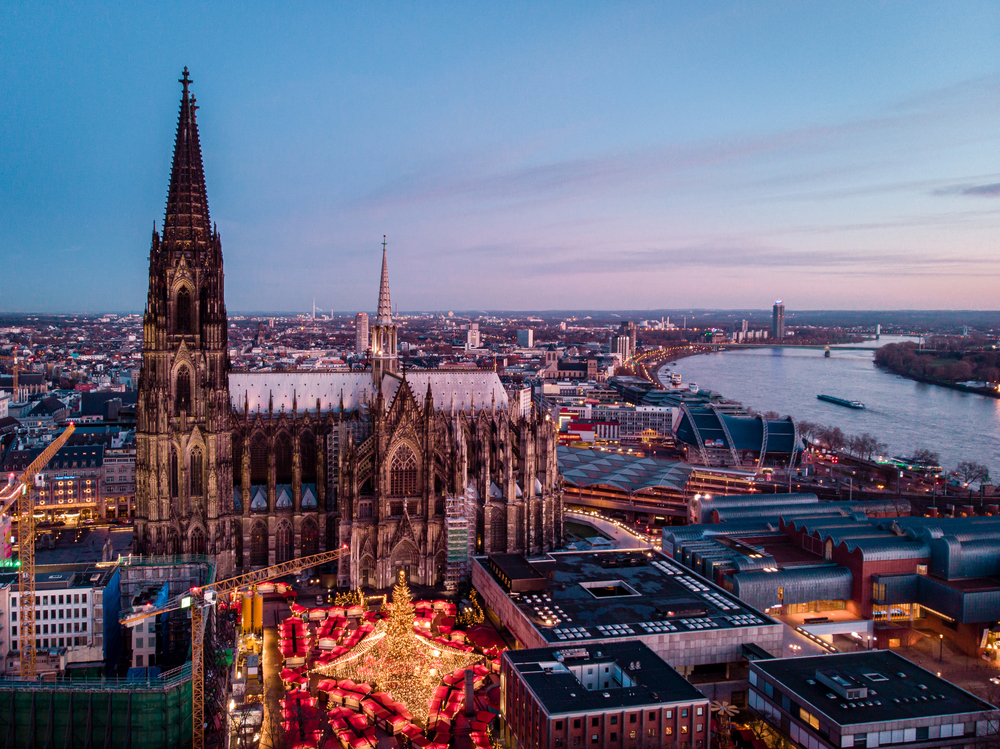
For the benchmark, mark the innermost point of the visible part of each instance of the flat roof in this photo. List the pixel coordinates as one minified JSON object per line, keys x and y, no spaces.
{"x":898,"y":689}
{"x":626,"y":594}
{"x":546,"y":671}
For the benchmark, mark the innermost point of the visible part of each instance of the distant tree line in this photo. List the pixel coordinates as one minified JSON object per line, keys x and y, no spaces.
{"x":942,"y":363}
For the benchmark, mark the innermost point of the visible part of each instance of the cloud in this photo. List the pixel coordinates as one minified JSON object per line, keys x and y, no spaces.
{"x":982,"y":191}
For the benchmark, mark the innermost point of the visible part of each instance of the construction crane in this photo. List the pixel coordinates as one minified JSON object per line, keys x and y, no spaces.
{"x":197,"y":599}
{"x":19,"y":491}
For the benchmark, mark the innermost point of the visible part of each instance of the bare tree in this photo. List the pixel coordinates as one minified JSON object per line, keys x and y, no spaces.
{"x":969,"y":472}
{"x":923,"y":455}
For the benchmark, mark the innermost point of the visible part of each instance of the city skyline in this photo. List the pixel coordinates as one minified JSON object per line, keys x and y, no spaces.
{"x":525,"y":159}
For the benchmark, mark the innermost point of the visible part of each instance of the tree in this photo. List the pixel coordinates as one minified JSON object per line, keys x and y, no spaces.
{"x":807,"y":429}
{"x":923,"y":455}
{"x":969,"y":472}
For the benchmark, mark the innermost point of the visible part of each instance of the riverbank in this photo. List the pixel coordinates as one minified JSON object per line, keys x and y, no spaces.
{"x":988,"y":392}
{"x":906,"y":414}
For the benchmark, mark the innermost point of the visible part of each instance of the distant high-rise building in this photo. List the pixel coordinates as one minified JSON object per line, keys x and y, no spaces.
{"x":745,"y":327}
{"x":778,"y":321}
{"x":621,"y":345}
{"x":472,"y":336}
{"x":526,"y":338}
{"x":628,"y":328}
{"x":361,"y":325}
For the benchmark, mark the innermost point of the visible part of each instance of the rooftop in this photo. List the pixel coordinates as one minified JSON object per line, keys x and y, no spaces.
{"x":891,"y":687}
{"x":618,"y":594}
{"x":624,"y":472}
{"x":628,"y":675}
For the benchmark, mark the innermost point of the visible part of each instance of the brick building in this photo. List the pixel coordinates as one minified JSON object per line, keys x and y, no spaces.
{"x":600,"y":696}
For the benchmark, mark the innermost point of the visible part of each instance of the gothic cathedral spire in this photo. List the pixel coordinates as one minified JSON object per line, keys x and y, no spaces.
{"x":383,"y":329}
{"x":183,"y":440}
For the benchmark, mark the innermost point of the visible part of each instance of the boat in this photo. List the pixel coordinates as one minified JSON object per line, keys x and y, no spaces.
{"x":841,"y":401}
{"x":826,"y":354}
{"x":675,"y":379}
{"x":693,"y":387}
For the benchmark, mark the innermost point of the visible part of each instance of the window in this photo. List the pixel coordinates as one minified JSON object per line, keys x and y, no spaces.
{"x":684,"y":729}
{"x":921,"y":569}
{"x":403,"y":473}
{"x":668,"y":731}
{"x":684,"y":712}
{"x":614,"y":736}
{"x":806,"y":717}
{"x":183,"y":402}
{"x":45,"y":600}
{"x":138,"y":660}
{"x":593,"y":738}
{"x":651,"y":731}
{"x":699,"y":711}
{"x":698,"y":728}
{"x":576,"y":723}
{"x":595,"y":722}
{"x":652,"y":716}
{"x":138,"y":642}
{"x":197,"y":472}
{"x":184,"y":311}
{"x":631,"y":718}
{"x":878,"y":591}
{"x":13,"y":631}
{"x":614,"y":720}
{"x":558,"y":725}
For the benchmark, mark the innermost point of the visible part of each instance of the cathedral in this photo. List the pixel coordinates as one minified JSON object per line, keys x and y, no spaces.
{"x":256,"y":468}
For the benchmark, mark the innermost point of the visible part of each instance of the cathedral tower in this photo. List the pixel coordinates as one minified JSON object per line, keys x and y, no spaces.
{"x":184,"y":475}
{"x":383,"y":329}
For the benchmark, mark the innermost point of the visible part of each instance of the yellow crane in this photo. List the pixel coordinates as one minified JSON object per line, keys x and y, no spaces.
{"x":198,"y":599}
{"x":19,"y":491}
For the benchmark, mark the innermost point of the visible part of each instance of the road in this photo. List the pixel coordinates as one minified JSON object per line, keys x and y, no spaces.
{"x":620,"y":536}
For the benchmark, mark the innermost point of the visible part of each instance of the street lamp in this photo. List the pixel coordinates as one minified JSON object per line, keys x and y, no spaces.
{"x":940,"y":647}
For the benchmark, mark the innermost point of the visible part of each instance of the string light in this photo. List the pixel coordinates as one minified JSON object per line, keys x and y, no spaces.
{"x":396,"y":660}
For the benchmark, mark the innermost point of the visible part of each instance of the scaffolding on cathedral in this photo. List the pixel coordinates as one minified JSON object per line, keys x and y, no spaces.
{"x":460,"y":519}
{"x":396,"y":660}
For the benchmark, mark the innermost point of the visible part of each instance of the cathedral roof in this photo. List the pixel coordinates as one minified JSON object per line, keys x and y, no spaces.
{"x":259,"y":389}
{"x":466,"y":391}
{"x":187,"y":200}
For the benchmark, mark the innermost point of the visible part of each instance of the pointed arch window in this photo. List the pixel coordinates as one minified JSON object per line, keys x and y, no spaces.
{"x":174,"y":474}
{"x":258,"y":545}
{"x":307,"y":457}
{"x":283,"y":460}
{"x":197,"y":473}
{"x":183,"y":400}
{"x":258,"y":460}
{"x":283,"y":543}
{"x":310,"y":538}
{"x":197,"y":541}
{"x":403,"y":473}
{"x":184,"y":316}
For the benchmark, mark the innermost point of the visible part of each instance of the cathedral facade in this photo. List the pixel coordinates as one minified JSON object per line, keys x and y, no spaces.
{"x":257,"y":468}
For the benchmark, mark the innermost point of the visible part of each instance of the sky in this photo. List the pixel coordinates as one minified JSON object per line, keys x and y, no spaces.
{"x":530,"y":156}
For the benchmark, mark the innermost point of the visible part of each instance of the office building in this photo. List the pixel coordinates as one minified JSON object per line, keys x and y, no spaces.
{"x":778,"y":321}
{"x":572,"y":599}
{"x":526,"y":338}
{"x":362,"y":341}
{"x":617,"y":695}
{"x":76,"y":618}
{"x":472,"y":336}
{"x":867,"y":699}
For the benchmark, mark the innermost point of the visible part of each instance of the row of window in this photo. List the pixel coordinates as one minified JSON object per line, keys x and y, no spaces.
{"x":633,"y":718}
{"x":44,"y":600}
{"x":59,"y":642}
{"x":44,"y":628}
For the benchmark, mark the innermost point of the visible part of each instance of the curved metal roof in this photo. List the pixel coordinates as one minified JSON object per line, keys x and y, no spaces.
{"x":630,"y":474}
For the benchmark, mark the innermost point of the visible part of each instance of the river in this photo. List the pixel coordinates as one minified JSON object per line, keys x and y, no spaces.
{"x":904,"y":414}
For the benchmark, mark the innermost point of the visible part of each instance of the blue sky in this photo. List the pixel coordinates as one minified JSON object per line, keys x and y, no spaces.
{"x":517,"y":155}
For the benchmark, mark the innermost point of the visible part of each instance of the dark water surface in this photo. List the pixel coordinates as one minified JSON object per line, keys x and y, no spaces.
{"x":906,"y":415}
